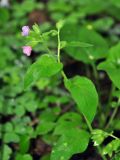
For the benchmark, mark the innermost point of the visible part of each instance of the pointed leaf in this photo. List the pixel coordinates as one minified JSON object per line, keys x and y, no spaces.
{"x":45,"y":66}
{"x":85,"y":95}
{"x":73,"y":141}
{"x":112,"y":65}
{"x":83,"y":38}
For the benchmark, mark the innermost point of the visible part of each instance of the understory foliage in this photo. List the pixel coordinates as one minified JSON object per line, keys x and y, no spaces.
{"x":42,"y":103}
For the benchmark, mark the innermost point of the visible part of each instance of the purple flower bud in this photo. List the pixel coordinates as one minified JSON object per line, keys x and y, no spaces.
{"x":25,"y":30}
{"x":27,"y":50}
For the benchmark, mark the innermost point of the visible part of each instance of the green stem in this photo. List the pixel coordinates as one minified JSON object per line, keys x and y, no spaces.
{"x":58,"y":54}
{"x":88,"y":124}
{"x":98,"y":88}
{"x":91,"y":129}
{"x":110,"y":99}
{"x":95,"y":73}
{"x":112,"y":117}
{"x":111,"y":135}
{"x":113,"y":114}
{"x":59,"y":46}
{"x":65,"y":77}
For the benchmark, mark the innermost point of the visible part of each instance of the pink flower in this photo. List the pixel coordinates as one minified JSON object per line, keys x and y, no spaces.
{"x":27,"y":50}
{"x":25,"y":30}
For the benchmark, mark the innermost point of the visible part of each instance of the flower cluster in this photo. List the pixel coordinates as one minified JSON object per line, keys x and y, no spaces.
{"x":26,"y":49}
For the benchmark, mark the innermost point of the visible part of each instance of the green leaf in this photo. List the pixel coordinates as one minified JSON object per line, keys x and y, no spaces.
{"x":116,"y":3}
{"x":83,"y":51}
{"x":59,"y":6}
{"x":60,"y":24}
{"x":8,"y":127}
{"x":4,"y":15}
{"x":68,"y":121}
{"x":36,"y":29}
{"x":23,"y":157}
{"x":112,"y":65}
{"x":85,"y":95}
{"x":103,"y":24}
{"x":50,"y":138}
{"x":24,"y":143}
{"x":114,"y":12}
{"x":63,"y":44}
{"x":42,"y":83}
{"x":78,"y":44}
{"x":98,"y":136}
{"x":44,"y":127}
{"x":48,"y":115}
{"x":19,"y":110}
{"x":63,"y":126}
{"x":6,"y":152}
{"x":45,"y":66}
{"x":95,"y":7}
{"x":46,"y":157}
{"x":11,"y":137}
{"x":71,"y":116}
{"x":116,"y":124}
{"x":31,"y":106}
{"x":73,"y":141}
{"x":111,"y":147}
{"x":46,"y":35}
{"x":116,"y":157}
{"x":25,"y":7}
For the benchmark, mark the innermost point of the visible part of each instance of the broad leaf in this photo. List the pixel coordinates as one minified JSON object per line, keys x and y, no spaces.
{"x":23,"y":157}
{"x":44,"y":127}
{"x":63,"y":126}
{"x":73,"y":141}
{"x":45,"y":66}
{"x":112,"y":65}
{"x":84,"y":51}
{"x":70,"y":116}
{"x":84,"y":93}
{"x":116,"y":3}
{"x":79,"y":44}
{"x":68,"y":121}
